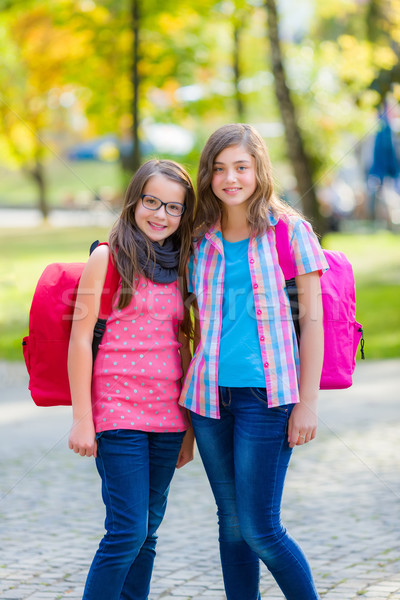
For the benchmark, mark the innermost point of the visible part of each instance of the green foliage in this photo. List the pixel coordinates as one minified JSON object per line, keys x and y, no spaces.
{"x":66,"y":72}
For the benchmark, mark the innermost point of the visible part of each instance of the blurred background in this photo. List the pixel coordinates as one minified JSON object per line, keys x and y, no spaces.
{"x":89,"y":89}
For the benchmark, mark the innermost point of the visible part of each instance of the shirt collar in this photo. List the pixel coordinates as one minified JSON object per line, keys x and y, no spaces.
{"x":215,"y":230}
{"x":214,"y":236}
{"x":272,"y":220}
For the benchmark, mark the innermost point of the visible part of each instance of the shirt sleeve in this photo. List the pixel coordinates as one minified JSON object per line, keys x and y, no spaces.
{"x":307,"y":254}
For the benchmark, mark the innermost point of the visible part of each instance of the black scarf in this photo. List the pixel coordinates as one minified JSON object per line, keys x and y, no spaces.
{"x":165,"y":267}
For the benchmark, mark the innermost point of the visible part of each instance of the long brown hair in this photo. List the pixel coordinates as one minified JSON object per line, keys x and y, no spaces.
{"x":209,"y":207}
{"x":123,"y":237}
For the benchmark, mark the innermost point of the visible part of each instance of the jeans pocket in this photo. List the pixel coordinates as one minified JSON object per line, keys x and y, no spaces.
{"x":225,"y":396}
{"x":261,"y":395}
{"x":111,"y":434}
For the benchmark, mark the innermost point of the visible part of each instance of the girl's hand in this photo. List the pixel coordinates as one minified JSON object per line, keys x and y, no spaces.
{"x":186,"y":453}
{"x":302,"y":424}
{"x":82,"y":438}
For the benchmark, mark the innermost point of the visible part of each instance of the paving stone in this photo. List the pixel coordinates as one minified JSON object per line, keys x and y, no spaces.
{"x":341,"y":496}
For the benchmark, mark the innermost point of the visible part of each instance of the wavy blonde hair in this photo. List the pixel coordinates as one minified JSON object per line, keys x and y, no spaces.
{"x":209,"y":207}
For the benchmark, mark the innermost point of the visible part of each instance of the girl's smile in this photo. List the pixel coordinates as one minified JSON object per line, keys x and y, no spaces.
{"x":232,"y":190}
{"x":156,"y":227}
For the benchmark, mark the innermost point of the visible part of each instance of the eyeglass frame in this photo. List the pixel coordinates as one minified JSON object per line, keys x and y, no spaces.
{"x":142,"y":196}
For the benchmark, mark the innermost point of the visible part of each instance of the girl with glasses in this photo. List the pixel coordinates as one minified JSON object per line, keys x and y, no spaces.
{"x":125,"y":405}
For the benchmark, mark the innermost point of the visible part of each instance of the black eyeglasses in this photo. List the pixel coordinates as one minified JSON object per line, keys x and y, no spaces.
{"x":173,"y":209}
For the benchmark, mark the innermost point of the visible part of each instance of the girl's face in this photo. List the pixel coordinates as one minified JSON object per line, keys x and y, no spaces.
{"x":234,"y":176}
{"x":158,"y":225}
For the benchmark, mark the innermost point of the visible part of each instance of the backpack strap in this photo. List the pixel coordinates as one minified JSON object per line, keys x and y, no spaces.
{"x":110,"y":287}
{"x":286,"y":264}
{"x":111,"y":284}
{"x":283,"y":248}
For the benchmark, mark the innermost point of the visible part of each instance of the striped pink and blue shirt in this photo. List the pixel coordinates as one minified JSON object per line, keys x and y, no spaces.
{"x":277,"y":338}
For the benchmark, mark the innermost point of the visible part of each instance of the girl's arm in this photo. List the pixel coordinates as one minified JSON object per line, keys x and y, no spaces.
{"x":186,"y":453}
{"x":304,"y":420}
{"x":82,"y":438}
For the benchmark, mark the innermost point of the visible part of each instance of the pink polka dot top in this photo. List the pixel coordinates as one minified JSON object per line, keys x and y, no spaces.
{"x":137,"y":371}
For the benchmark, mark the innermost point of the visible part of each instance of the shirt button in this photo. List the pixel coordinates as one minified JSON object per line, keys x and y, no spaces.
{"x":266,"y":364}
{"x":259,"y":312}
{"x":255,"y":286}
{"x":262,"y":338}
{"x":252,"y":261}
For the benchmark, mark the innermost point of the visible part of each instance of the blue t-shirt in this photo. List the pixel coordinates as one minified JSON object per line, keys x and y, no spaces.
{"x":240,"y":361}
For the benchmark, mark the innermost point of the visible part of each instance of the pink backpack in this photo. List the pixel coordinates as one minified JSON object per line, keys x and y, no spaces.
{"x":341,"y":330}
{"x":45,"y":349}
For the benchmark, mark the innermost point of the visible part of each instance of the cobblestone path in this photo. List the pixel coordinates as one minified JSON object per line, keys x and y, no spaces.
{"x":341,"y":502}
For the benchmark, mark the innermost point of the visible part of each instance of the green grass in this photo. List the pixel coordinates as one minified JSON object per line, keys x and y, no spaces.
{"x":65,"y":181}
{"x":376,"y":263}
{"x":26,"y":252}
{"x":72,"y":181}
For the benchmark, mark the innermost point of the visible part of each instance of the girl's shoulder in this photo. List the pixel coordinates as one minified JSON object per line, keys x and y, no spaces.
{"x":96,"y":267}
{"x":199,"y":240}
{"x":101,"y":251}
{"x":99,"y":257}
{"x":97,"y":263}
{"x":296,"y":223}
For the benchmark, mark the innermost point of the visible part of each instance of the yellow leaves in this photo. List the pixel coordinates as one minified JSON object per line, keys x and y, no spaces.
{"x":384,"y":57}
{"x":124,"y":41}
{"x":347,"y":42}
{"x":98,"y":14}
{"x":349,"y":58}
{"x":355,"y":62}
{"x":6,"y":154}
{"x":125,"y":124}
{"x":360,"y":60}
{"x":171,"y":23}
{"x":394,"y":19}
{"x":396,"y":91}
{"x":333,"y":8}
{"x":178,"y":23}
{"x":329,"y":52}
{"x":46,"y":48}
{"x":23,"y":138}
{"x":368,"y":99}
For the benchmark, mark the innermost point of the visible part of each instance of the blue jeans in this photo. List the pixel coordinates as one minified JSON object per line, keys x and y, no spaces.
{"x":245,"y":454}
{"x":136,"y":468}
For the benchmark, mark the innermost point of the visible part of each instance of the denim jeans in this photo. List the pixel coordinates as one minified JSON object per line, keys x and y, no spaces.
{"x":245,"y":454}
{"x":136,"y":468}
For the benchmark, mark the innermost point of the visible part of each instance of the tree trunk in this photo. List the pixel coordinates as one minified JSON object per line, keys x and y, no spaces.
{"x":236,"y":70}
{"x":136,"y":158}
{"x":295,"y":146}
{"x":39,"y":177}
{"x":130,"y":159}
